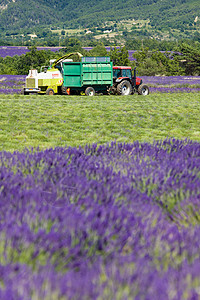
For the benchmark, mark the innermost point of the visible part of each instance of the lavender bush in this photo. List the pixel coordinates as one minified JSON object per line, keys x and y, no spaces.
{"x":119,"y":221}
{"x":172,"y":84}
{"x":172,"y":81}
{"x":10,"y":84}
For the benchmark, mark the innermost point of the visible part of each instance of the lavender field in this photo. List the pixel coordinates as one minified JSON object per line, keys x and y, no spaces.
{"x":10,"y":84}
{"x":172,"y":84}
{"x":119,"y":221}
{"x":19,"y":50}
{"x":103,"y":220}
{"x":13,"y":84}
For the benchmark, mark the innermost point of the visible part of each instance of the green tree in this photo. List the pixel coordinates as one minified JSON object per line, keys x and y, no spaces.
{"x":189,"y":58}
{"x":141,"y":55}
{"x":149,"y":67}
{"x":168,"y":65}
{"x":71,"y":44}
{"x":119,"y":56}
{"x":99,"y":50}
{"x":153,"y":63}
{"x":33,"y":59}
{"x":8,"y":65}
{"x":134,"y":44}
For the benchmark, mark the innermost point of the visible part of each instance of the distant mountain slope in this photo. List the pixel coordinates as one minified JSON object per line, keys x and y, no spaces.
{"x":16,"y":14}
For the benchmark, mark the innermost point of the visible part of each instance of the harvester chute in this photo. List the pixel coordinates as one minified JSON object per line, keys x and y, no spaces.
{"x":60,"y":59}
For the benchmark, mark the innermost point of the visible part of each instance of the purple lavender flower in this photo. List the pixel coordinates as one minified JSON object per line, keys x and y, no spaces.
{"x":129,"y":228}
{"x":10,"y":84}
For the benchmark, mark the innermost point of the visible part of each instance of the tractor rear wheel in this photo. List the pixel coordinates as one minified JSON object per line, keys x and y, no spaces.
{"x":143,"y":89}
{"x":50,"y":92}
{"x":89,"y":91}
{"x":124,"y":88}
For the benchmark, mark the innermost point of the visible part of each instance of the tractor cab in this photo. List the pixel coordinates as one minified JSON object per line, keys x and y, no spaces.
{"x":122,"y":72}
{"x":126,"y":83}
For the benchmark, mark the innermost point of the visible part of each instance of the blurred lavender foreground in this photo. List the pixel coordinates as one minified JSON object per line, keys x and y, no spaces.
{"x":120,"y":221}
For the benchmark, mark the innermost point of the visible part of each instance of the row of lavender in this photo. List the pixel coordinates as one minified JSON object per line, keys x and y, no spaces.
{"x":10,"y":84}
{"x":119,"y":221}
{"x":19,"y":50}
{"x":172,"y":84}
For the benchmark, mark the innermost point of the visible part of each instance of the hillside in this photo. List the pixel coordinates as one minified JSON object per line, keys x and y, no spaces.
{"x":24,"y":15}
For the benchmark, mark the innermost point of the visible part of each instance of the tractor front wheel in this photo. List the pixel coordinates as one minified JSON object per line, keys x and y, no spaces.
{"x":143,"y":89}
{"x":124,"y":88}
{"x":50,"y":92}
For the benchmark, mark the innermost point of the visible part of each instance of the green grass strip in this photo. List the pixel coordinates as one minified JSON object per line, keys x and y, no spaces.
{"x":50,"y":121}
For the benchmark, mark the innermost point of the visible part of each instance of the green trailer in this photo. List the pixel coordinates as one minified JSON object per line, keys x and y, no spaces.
{"x":90,"y":75}
{"x":64,"y":76}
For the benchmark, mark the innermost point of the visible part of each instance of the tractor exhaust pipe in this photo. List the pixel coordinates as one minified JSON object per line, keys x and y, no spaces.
{"x":134,"y":77}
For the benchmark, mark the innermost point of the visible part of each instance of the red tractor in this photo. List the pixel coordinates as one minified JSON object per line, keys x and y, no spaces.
{"x":124,"y":83}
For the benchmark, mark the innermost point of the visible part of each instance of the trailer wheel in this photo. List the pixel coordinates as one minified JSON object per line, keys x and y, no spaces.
{"x":124,"y":88}
{"x":89,"y":91}
{"x":50,"y":92}
{"x":143,"y":89}
{"x":63,"y":90}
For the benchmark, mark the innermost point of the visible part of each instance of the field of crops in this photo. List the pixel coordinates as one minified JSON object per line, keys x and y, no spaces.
{"x":12,"y":84}
{"x":47,"y":121}
{"x":109,"y":222}
{"x":19,"y":50}
{"x":104,"y":201}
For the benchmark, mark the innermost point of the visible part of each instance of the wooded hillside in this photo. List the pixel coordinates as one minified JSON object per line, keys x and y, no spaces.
{"x":20,"y":14}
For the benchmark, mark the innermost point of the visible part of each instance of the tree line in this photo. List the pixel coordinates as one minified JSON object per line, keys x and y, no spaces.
{"x":183,"y":60}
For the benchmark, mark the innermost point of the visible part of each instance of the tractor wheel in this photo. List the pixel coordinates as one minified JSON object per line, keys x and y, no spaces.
{"x":89,"y":91}
{"x":50,"y":92}
{"x":63,"y":90}
{"x":143,"y":89}
{"x":124,"y":88}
